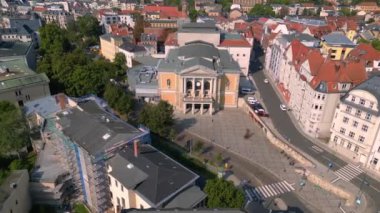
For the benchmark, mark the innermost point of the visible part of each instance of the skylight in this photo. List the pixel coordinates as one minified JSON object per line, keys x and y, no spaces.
{"x":106,"y":136}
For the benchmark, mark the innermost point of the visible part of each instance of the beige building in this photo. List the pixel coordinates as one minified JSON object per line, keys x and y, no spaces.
{"x":247,"y":5}
{"x":14,"y":193}
{"x":199,"y":78}
{"x":61,"y":18}
{"x":143,"y":177}
{"x":355,"y":132}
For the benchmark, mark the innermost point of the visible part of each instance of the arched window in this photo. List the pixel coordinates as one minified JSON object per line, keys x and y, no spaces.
{"x":189,"y":85}
{"x":207,"y":85}
{"x":168,"y":83}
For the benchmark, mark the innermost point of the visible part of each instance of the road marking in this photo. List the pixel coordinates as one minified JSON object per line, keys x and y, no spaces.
{"x":374,"y":188}
{"x":269,"y":190}
{"x":317,"y":148}
{"x":348,"y":172}
{"x":335,"y":180}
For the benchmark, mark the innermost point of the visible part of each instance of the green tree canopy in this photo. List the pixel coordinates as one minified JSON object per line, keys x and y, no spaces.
{"x":348,"y":12}
{"x":262,"y":10}
{"x":53,"y":40}
{"x":223,"y":194}
{"x":14,"y":133}
{"x":159,"y":118}
{"x":193,"y":15}
{"x":118,"y":98}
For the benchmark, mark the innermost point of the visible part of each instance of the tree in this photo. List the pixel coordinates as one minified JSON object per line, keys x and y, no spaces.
{"x":348,"y":12}
{"x":118,"y":98}
{"x":193,"y":15}
{"x":53,"y":40}
{"x":376,"y":44}
{"x":159,"y":118}
{"x":14,"y":133}
{"x":139,"y":27}
{"x":223,"y":194}
{"x":226,"y":5}
{"x":262,"y":10}
{"x":120,"y":61}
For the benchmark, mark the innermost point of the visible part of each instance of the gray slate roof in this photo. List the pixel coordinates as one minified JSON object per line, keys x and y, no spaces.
{"x":206,"y":27}
{"x":88,"y":128}
{"x":299,"y":36}
{"x":130,"y":47}
{"x":198,"y":53}
{"x":158,"y":177}
{"x":338,"y":39}
{"x":10,"y":48}
{"x":25,"y":26}
{"x":372,"y":86}
{"x":187,"y":199}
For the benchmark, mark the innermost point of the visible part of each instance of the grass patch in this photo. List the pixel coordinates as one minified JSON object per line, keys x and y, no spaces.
{"x":179,"y":154}
{"x":80,"y":208}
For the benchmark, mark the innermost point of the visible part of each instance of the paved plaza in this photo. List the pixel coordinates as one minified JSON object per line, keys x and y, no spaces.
{"x":235,"y":131}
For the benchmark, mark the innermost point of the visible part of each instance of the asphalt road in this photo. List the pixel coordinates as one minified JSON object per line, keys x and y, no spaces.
{"x":285,"y":127}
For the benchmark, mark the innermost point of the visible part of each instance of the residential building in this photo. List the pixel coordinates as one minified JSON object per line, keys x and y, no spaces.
{"x":131,"y":51}
{"x":14,"y":192}
{"x":142,"y":177}
{"x":18,"y":82}
{"x":369,"y":55}
{"x":367,"y":7}
{"x":336,"y":45}
{"x":162,"y":12}
{"x":162,"y":23}
{"x":201,"y":4}
{"x":87,"y":135}
{"x":312,"y":85}
{"x":61,"y":18}
{"x":239,"y":48}
{"x":247,"y":5}
{"x":355,"y":131}
{"x":150,"y":42}
{"x":18,"y":29}
{"x":198,"y":77}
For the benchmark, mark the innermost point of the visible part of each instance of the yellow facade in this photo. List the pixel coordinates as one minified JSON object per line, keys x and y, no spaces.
{"x":109,"y":47}
{"x":351,"y":34}
{"x":173,"y":89}
{"x":335,"y":52}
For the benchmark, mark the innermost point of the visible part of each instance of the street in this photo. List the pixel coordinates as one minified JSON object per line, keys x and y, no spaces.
{"x":286,"y":128}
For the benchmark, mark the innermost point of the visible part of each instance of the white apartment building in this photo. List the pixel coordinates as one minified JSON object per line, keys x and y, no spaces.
{"x":142,"y":177}
{"x":355,"y":131}
{"x":312,"y":85}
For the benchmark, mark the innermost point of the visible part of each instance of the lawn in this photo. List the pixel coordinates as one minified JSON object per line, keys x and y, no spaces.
{"x":80,"y":208}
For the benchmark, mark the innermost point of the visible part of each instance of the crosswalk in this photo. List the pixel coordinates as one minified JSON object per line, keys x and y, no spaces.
{"x":267,"y":191}
{"x":348,"y":172}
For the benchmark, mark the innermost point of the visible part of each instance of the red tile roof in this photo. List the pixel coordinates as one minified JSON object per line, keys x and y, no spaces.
{"x":364,"y":52}
{"x":333,"y":72}
{"x":164,"y":11}
{"x":241,"y":26}
{"x":39,"y":9}
{"x":119,"y":30}
{"x":366,"y":3}
{"x":299,"y":53}
{"x":235,"y":43}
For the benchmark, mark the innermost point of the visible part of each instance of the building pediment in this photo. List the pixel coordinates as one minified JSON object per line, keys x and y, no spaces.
{"x":198,"y":71}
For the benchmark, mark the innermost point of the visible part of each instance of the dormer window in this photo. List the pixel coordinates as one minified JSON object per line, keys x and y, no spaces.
{"x":353,"y":98}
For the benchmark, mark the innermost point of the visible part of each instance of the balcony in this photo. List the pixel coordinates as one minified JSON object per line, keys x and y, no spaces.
{"x":198,"y":97}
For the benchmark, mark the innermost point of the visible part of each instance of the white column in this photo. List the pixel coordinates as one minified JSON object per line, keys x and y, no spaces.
{"x":202,"y":87}
{"x":210,"y":109}
{"x":193,"y":88}
{"x":201,"y":109}
{"x":184,"y":86}
{"x":192,"y":108}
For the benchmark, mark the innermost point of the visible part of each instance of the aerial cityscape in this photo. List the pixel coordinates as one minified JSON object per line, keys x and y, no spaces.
{"x":231,"y":106}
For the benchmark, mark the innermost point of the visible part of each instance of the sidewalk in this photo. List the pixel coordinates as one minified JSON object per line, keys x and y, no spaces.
{"x":319,"y":169}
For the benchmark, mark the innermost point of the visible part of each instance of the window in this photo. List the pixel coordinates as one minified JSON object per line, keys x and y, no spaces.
{"x":344,"y":86}
{"x":237,"y":55}
{"x":362,"y":101}
{"x":353,"y":98}
{"x":342,"y":142}
{"x":349,"y":146}
{"x":375,"y":160}
{"x":316,"y":107}
{"x":123,"y":202}
{"x":371,"y":105}
{"x":342,"y":130}
{"x":356,"y":149}
{"x":365,"y":128}
{"x":116,"y":183}
{"x":378,"y":150}
{"x":345,"y":120}
{"x":320,"y":107}
{"x":319,"y":97}
{"x":168,"y":83}
{"x":355,"y":124}
{"x":323,"y":97}
{"x":361,"y":139}
{"x":118,"y":201}
{"x":243,"y":55}
{"x":122,"y":188}
{"x":368,"y":116}
{"x":351,"y":134}
{"x":348,"y":109}
{"x":358,"y":113}
{"x":335,"y":139}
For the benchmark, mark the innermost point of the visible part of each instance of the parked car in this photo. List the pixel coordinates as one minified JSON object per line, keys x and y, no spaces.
{"x":283,"y":107}
{"x":266,"y":81}
{"x":247,"y":91}
{"x":252,"y":100}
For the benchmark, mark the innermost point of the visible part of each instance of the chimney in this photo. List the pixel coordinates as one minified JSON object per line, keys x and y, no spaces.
{"x":136,"y":148}
{"x":61,"y":100}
